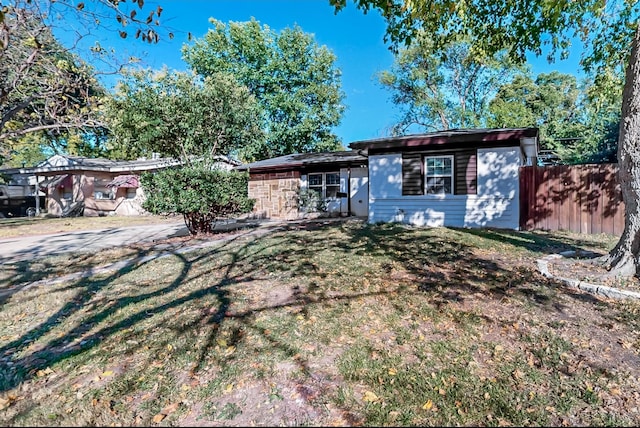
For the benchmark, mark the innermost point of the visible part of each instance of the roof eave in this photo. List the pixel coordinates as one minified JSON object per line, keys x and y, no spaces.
{"x":444,"y":138}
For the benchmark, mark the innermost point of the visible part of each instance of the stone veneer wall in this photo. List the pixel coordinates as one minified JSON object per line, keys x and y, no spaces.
{"x":276,"y":194}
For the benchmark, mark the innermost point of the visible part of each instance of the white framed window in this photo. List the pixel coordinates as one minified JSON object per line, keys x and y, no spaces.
{"x":438,"y":175}
{"x":101,"y":191}
{"x":326,"y":184}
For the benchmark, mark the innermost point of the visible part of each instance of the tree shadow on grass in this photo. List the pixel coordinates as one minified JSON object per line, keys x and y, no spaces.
{"x":532,"y":241}
{"x":443,"y":269}
{"x":451,"y":267}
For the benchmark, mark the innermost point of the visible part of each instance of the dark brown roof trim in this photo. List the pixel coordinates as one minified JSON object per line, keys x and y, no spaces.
{"x":298,"y":166}
{"x":451,"y":137}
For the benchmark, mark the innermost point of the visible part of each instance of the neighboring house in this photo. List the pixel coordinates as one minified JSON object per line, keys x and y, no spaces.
{"x":463,"y":178}
{"x":459,"y":178}
{"x":103,"y":186}
{"x":279,"y":185}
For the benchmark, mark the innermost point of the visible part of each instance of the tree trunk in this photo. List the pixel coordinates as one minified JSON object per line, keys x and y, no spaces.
{"x":624,"y":259}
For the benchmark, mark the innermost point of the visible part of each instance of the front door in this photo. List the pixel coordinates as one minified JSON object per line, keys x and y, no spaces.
{"x":359,"y":192}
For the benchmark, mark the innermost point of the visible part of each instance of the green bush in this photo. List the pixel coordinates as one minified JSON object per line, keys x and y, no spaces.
{"x":310,"y":201}
{"x":202,"y":196}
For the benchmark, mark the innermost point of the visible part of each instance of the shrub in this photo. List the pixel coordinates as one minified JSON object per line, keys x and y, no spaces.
{"x":202,"y":196}
{"x":310,"y":201}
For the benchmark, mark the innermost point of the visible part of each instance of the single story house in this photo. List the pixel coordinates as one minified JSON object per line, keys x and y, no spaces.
{"x":279,"y":185}
{"x":102,"y":186}
{"x":459,"y":178}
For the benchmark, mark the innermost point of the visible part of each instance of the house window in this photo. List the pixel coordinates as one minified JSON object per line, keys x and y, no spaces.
{"x":101,"y":191}
{"x":438,"y":175}
{"x":327,"y":184}
{"x":131,"y":193}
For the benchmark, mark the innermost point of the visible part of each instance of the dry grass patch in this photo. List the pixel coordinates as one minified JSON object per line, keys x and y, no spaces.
{"x":342,"y":324}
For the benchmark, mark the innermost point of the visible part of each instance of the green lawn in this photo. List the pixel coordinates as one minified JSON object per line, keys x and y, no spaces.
{"x":326,"y":324}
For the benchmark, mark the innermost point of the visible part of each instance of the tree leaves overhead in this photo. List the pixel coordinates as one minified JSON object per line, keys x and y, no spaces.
{"x":94,"y":14}
{"x":521,"y":26}
{"x":43,"y":87}
{"x":294,"y":80}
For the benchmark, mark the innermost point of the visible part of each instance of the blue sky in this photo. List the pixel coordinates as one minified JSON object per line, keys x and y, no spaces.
{"x":355,"y":38}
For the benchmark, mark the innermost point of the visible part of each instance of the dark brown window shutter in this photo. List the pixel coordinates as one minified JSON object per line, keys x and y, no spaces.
{"x":412,"y":181}
{"x":466,"y":172}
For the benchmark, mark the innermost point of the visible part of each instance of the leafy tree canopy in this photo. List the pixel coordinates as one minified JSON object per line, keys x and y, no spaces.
{"x":450,"y":90}
{"x":49,"y":98}
{"x":576,"y":121}
{"x":294,"y":80}
{"x":181,"y":115}
{"x":521,"y":26}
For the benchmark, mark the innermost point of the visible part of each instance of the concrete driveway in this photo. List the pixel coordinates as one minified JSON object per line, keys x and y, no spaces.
{"x":28,"y":247}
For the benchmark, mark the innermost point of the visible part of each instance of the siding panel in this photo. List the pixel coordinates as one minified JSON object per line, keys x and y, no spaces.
{"x":466,"y":168}
{"x":412,"y":174}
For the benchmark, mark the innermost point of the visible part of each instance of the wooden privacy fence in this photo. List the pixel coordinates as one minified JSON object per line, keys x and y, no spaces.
{"x":579,"y":198}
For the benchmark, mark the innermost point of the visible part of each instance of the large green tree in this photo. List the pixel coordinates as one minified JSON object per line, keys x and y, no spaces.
{"x":181,"y":115}
{"x":450,"y":90}
{"x":194,"y":120}
{"x":294,"y":80}
{"x":608,"y":30}
{"x":576,"y":121}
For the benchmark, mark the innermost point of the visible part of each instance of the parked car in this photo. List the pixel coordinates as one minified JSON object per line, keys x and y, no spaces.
{"x":18,"y":201}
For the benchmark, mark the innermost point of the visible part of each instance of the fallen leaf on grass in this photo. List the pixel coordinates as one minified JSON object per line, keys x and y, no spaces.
{"x":428,"y":405}
{"x":166,"y":412}
{"x":170,"y":408}
{"x":370,"y":397}
{"x":5,"y":402}
{"x":615,"y":391}
{"x":41,"y":373}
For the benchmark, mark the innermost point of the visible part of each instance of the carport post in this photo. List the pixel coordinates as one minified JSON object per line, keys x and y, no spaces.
{"x":37,"y":197}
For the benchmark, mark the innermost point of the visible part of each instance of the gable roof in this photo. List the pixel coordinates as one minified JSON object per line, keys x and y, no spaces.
{"x":67,"y":163}
{"x":301,"y":160}
{"x":478,"y":137}
{"x":76,"y":163}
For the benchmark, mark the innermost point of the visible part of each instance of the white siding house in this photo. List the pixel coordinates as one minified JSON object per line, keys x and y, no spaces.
{"x":494,"y":205}
{"x":464,"y":178}
{"x":457,"y":178}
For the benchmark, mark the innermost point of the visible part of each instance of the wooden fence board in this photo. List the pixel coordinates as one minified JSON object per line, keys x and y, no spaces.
{"x":579,"y":198}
